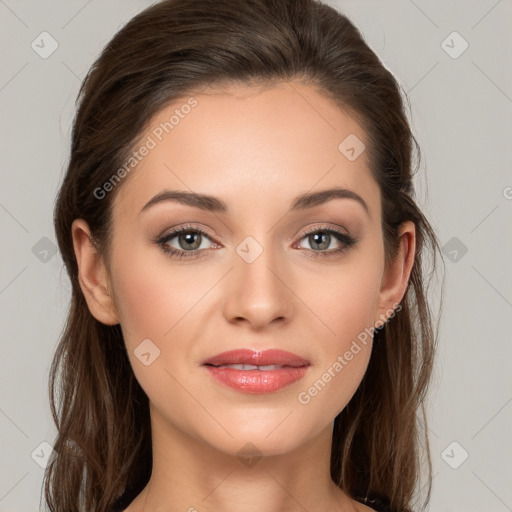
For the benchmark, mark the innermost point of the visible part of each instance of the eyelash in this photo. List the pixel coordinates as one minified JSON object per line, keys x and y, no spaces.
{"x":347,"y":241}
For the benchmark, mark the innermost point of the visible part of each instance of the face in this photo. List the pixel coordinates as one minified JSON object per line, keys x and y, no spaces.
{"x":261,"y":273}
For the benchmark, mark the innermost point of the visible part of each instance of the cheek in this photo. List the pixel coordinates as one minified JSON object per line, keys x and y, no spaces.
{"x":152,"y":306}
{"x":151,"y":296}
{"x":345,"y":300}
{"x":146,"y":305}
{"x":157,"y":300}
{"x":347,"y":309}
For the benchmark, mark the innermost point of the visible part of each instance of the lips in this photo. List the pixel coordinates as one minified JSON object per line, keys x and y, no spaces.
{"x":251,"y":371}
{"x":273,"y":357}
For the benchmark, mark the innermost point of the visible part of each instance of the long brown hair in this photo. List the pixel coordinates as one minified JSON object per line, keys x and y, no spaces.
{"x":103,"y":451}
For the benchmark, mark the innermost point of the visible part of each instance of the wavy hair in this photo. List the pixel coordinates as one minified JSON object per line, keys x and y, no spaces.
{"x":103,"y":451}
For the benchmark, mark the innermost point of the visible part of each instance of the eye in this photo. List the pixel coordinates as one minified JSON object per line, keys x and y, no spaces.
{"x":188,"y":239}
{"x":322,"y":238}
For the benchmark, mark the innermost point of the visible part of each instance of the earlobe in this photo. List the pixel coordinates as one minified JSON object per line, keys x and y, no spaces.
{"x":92,"y":275}
{"x":396,"y":278}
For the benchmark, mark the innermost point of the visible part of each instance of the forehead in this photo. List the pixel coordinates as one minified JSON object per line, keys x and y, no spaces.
{"x":249,"y":144}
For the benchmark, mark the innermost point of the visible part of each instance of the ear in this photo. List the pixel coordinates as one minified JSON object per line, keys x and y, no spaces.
{"x":396,"y":277}
{"x":93,"y":275}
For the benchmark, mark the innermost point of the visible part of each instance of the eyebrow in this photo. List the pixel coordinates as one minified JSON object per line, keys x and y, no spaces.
{"x":214,"y":204}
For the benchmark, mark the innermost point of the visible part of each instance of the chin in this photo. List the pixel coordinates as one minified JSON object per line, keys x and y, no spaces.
{"x":253,"y":439}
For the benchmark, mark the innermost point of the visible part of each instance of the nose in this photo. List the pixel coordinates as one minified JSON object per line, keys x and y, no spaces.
{"x":258,"y":292}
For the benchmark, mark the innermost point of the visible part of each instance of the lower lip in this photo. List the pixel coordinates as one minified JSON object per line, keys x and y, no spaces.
{"x":257,"y":381}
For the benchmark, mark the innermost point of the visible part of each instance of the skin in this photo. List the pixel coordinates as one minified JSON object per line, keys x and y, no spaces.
{"x":256,"y":149}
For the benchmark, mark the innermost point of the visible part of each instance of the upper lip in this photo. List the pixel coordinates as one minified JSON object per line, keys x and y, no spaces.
{"x":257,"y":358}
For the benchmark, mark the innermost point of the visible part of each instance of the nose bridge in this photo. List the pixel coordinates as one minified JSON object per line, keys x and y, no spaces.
{"x":257,"y":289}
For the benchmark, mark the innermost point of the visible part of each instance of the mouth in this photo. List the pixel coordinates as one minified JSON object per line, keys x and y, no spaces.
{"x":257,"y":372}
{"x":265,"y":367}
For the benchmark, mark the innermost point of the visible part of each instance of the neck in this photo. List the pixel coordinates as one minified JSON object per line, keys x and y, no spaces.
{"x":190,"y":475}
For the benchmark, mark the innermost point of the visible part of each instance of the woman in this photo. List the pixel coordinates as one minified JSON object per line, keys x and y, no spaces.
{"x":249,"y":327}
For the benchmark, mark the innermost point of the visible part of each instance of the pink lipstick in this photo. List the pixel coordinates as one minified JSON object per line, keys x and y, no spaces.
{"x":252,"y":371}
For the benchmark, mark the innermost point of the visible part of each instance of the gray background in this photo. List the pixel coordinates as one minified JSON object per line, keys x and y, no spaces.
{"x":461,"y":115}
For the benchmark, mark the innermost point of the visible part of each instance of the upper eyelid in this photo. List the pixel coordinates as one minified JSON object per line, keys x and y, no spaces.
{"x":181,"y":229}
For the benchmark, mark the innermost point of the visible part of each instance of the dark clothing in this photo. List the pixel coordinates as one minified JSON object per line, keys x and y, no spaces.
{"x":379,"y":504}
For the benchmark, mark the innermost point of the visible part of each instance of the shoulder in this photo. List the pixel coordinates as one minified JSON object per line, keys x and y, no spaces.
{"x":361,"y":507}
